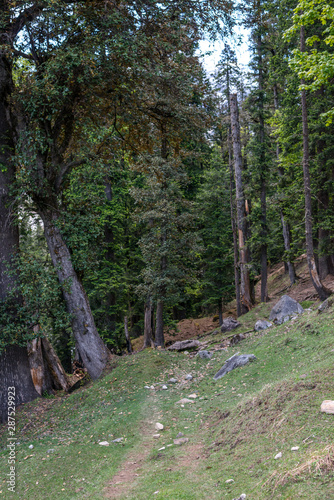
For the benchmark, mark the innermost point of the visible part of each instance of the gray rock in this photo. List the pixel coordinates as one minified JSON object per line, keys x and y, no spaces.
{"x":30,"y":446}
{"x":164,"y":387}
{"x":180,"y":435}
{"x":118,"y":440}
{"x":228,"y":481}
{"x":279,"y":455}
{"x":235,"y":361}
{"x":188,"y":377}
{"x":243,"y":496}
{"x":172,"y":381}
{"x":326,"y":304}
{"x":285,"y":309}
{"x":229,"y":324}
{"x":261,"y":324}
{"x":204,"y":354}
{"x":182,"y":345}
{"x":237,"y":338}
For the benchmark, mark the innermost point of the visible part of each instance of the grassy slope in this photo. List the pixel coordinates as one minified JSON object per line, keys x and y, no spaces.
{"x":235,"y":431}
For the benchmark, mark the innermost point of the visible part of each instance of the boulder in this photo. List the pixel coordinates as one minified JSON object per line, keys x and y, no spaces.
{"x":327,"y":406}
{"x":204,"y":354}
{"x":237,"y":338}
{"x":229,"y":324}
{"x":235,"y":361}
{"x":326,"y":304}
{"x":261,"y":324}
{"x":183,"y":345}
{"x":285,"y":309}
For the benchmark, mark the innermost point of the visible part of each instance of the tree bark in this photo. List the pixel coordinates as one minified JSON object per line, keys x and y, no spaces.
{"x":15,"y":372}
{"x":148,"y":337}
{"x":58,"y":376}
{"x":159,"y":328}
{"x":246,"y":302}
{"x":92,"y":350}
{"x":234,"y":230}
{"x":320,"y":289}
{"x":127,"y":336}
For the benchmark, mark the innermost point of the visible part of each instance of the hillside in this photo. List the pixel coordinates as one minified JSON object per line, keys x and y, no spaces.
{"x":235,"y":426}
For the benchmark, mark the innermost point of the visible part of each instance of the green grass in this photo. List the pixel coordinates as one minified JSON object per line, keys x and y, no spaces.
{"x":235,"y":427}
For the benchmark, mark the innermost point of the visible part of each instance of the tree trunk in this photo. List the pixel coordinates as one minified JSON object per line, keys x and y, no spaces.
{"x":9,"y":235}
{"x":127,"y":336}
{"x":110,"y":316}
{"x":287,"y":248}
{"x":92,"y":350}
{"x":290,"y":268}
{"x":15,"y":372}
{"x":234,"y":230}
{"x":39,"y":373}
{"x":246,"y":302}
{"x":14,"y":365}
{"x":148,"y":338}
{"x":220,"y":312}
{"x":159,"y":328}
{"x":321,"y":290}
{"x":58,"y":376}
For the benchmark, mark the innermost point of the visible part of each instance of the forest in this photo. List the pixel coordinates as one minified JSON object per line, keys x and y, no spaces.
{"x":135,"y":190}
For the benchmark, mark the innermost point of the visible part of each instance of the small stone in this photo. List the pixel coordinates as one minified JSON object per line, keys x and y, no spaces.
{"x":261,"y":324}
{"x":164,"y":387}
{"x":156,"y":436}
{"x":295,"y":448}
{"x":188,"y":377}
{"x":186,"y":352}
{"x":147,"y":387}
{"x":181,"y":441}
{"x":172,"y":381}
{"x":169,"y":445}
{"x":327,"y":406}
{"x":163,"y":448}
{"x":158,"y":426}
{"x":156,"y":492}
{"x":279,"y":455}
{"x":193,"y":396}
{"x":243,"y":496}
{"x":184,"y":401}
{"x":31,"y":446}
{"x":117,"y":440}
{"x":152,"y":387}
{"x":180,"y":434}
{"x":104,"y":443}
{"x":204,"y":354}
{"x":228,"y":481}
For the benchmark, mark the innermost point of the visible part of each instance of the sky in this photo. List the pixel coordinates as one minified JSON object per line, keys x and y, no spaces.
{"x":210,"y":62}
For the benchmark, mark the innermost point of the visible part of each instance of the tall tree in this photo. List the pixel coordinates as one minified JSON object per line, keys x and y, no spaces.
{"x":246,"y":300}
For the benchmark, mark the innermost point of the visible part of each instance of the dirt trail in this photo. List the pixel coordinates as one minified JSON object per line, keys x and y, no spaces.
{"x":125,"y":481}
